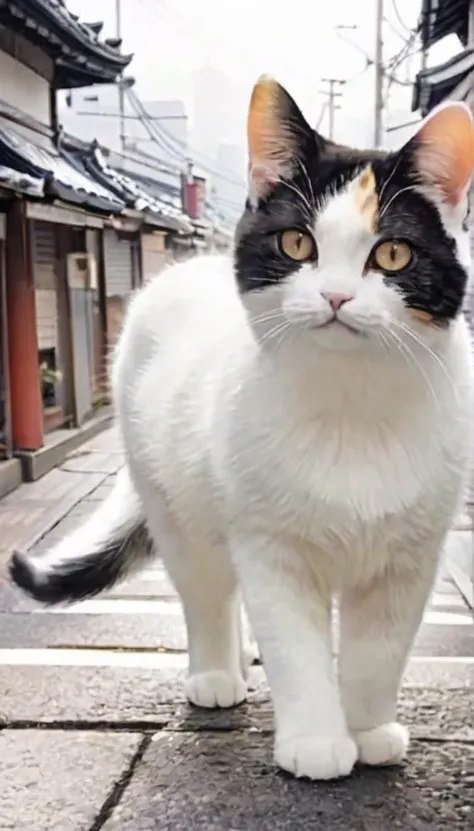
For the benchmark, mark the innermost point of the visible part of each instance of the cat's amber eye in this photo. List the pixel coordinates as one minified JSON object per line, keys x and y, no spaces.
{"x":391,"y":255}
{"x":297,"y":245}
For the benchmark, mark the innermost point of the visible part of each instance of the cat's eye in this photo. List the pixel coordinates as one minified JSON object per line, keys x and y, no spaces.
{"x":297,"y":245}
{"x":391,"y":255}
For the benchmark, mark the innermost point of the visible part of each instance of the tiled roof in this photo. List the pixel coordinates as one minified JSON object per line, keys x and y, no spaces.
{"x":435,"y":84}
{"x":53,"y":174}
{"x":440,"y":18}
{"x":80,"y":56}
{"x":136,"y":194}
{"x":21,"y":182}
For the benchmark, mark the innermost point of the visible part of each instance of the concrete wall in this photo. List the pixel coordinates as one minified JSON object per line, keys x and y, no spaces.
{"x":24,"y":89}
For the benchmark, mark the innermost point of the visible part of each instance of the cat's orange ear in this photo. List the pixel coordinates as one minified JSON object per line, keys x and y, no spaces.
{"x":443,"y":150}
{"x":278,"y":135}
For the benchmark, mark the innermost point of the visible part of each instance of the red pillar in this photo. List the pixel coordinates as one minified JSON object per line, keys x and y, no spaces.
{"x":25,"y":393}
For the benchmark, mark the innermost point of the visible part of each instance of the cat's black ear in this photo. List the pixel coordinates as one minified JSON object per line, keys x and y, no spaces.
{"x":442,"y":151}
{"x":278,"y":135}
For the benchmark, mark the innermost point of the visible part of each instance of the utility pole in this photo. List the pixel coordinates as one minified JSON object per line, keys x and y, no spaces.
{"x":121,"y":91}
{"x":379,"y":74}
{"x":332,"y":94}
{"x":425,"y":10}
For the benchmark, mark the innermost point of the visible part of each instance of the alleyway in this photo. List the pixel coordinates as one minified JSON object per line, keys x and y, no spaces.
{"x":95,"y":734}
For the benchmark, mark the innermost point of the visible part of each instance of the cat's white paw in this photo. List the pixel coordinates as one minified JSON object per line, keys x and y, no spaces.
{"x":384,"y":745}
{"x":215,"y":689}
{"x":315,"y":757}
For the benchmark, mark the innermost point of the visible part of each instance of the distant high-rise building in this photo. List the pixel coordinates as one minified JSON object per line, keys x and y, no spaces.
{"x":230,"y":161}
{"x":93,"y":113}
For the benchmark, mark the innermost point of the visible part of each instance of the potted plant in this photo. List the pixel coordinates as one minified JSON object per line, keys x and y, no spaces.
{"x":48,"y":378}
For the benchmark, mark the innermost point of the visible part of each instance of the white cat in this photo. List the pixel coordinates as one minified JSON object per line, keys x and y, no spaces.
{"x":296,"y":429}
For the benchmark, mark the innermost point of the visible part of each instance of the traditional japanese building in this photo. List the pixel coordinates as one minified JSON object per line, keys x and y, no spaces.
{"x":51,"y":217}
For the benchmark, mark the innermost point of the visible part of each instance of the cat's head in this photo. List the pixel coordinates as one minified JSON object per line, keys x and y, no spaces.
{"x":353,"y":248}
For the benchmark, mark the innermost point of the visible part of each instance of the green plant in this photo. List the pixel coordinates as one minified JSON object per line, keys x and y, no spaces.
{"x":48,"y":375}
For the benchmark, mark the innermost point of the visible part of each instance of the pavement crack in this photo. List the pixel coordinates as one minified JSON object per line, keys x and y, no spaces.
{"x":120,"y":787}
{"x":92,"y":725}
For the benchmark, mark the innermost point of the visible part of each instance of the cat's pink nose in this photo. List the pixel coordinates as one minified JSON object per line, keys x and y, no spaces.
{"x":336,"y":300}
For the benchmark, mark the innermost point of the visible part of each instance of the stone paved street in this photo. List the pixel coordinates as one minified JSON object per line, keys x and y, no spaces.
{"x":95,"y":733}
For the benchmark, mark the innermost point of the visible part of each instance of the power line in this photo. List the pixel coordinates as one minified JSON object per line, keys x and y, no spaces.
{"x":399,"y":17}
{"x":384,"y":70}
{"x":176,"y":147}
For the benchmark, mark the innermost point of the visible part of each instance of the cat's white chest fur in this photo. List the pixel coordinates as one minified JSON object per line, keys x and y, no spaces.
{"x":350,"y":480}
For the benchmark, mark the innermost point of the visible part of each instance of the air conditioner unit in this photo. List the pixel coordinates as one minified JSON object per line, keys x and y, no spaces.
{"x":82,"y":271}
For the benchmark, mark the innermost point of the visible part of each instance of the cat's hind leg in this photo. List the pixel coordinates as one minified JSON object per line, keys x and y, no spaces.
{"x":205,"y":581}
{"x":250,"y":649}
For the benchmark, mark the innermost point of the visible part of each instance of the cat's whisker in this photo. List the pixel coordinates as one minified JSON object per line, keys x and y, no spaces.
{"x":279,"y":329}
{"x":395,"y":196}
{"x":384,"y":341}
{"x":406,"y":329}
{"x":308,"y":181}
{"x":274,"y":280}
{"x":413,"y":361}
{"x":299,"y":193}
{"x":266,"y":318}
{"x":390,"y":177}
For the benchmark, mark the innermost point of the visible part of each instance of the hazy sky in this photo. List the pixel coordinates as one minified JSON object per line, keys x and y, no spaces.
{"x":295,"y":41}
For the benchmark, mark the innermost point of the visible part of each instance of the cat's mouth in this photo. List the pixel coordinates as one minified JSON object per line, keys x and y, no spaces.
{"x":335,"y":322}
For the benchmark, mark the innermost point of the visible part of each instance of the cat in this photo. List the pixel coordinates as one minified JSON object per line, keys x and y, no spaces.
{"x":296,"y":427}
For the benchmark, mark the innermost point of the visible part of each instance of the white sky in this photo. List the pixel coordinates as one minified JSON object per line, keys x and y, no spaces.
{"x":294,"y":41}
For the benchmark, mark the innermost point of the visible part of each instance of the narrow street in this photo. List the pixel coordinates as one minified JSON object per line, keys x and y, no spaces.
{"x":95,"y":733}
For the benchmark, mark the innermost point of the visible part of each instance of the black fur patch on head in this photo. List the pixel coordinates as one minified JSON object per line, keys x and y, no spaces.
{"x":433,"y":284}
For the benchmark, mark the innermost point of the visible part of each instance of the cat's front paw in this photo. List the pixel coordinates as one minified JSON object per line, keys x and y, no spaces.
{"x":316,"y":757}
{"x":215,"y":689}
{"x":384,"y":745}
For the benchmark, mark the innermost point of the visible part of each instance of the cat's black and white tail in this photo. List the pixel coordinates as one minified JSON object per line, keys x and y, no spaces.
{"x":111,"y":544}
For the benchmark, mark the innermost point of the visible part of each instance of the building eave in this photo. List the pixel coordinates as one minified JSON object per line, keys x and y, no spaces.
{"x":52,"y":27}
{"x":437,"y":83}
{"x":440,"y":18}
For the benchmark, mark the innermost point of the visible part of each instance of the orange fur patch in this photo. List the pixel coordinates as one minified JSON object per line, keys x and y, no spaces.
{"x":446,"y":153}
{"x":270,"y":139}
{"x":367,"y":199}
{"x":424,"y":317}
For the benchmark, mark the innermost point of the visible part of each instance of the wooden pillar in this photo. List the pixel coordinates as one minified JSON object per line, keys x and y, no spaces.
{"x":26,"y":402}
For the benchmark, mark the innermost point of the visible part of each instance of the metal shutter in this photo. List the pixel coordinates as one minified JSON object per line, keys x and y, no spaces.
{"x":44,"y":261}
{"x":118,"y":265}
{"x":154,"y":255}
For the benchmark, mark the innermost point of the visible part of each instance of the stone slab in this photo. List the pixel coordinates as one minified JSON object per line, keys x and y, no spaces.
{"x":445,"y":641}
{"x":154,"y":699}
{"x":429,"y":713}
{"x":56,"y":780}
{"x":46,"y":694}
{"x":227,"y":782}
{"x":152,"y":632}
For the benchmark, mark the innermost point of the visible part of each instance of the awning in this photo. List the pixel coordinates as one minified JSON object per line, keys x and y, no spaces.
{"x":54,"y":176}
{"x":440,"y":18}
{"x":433,"y":85}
